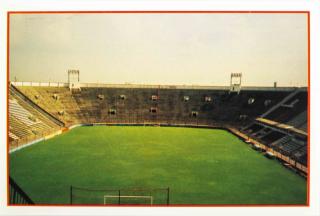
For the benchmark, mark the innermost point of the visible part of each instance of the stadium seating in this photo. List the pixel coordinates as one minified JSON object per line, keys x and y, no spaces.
{"x":171,"y":106}
{"x":291,"y":145}
{"x":272,"y":136}
{"x":292,"y":112}
{"x":301,"y":155}
{"x":25,"y":122}
{"x":299,"y":121}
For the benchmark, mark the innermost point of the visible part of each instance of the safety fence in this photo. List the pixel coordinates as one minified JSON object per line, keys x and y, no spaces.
{"x":17,"y":195}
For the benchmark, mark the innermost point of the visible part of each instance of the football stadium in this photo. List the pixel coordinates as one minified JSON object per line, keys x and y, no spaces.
{"x":224,"y":141}
{"x":75,"y":143}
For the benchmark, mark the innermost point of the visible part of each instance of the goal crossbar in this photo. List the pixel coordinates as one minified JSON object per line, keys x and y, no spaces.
{"x":134,"y":195}
{"x":105,"y":197}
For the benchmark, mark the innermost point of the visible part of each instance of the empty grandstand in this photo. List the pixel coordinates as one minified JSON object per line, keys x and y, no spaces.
{"x":274,"y":117}
{"x":272,"y":121}
{"x":27,"y":122}
{"x":190,"y":137}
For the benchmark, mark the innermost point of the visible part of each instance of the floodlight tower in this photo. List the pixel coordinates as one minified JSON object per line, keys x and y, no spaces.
{"x":73,"y":79}
{"x":235,"y":82}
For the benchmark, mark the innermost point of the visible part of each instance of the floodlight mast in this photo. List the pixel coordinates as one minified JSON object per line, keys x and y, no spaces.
{"x":74,"y":79}
{"x":235,"y":82}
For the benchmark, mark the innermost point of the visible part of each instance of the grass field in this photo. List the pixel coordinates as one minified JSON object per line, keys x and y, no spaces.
{"x":201,"y":166}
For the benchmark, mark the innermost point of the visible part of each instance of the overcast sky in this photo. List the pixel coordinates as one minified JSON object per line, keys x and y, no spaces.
{"x":160,"y":48}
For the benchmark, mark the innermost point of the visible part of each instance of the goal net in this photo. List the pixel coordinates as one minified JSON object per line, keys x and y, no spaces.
{"x":123,"y":196}
{"x":128,"y":199}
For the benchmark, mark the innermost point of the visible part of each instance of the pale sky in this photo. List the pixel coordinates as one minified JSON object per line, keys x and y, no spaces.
{"x":198,"y":49}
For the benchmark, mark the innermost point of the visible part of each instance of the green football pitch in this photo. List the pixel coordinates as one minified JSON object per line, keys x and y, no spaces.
{"x":200,"y":166}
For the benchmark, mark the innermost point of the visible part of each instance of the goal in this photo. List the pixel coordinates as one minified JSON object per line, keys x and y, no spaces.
{"x":128,"y":199}
{"x":119,"y":196}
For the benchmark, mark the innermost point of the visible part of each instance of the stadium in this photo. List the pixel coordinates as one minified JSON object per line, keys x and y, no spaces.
{"x":157,"y":139}
{"x":79,"y":143}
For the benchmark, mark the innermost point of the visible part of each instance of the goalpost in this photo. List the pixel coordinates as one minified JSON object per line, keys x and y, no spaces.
{"x":119,"y":197}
